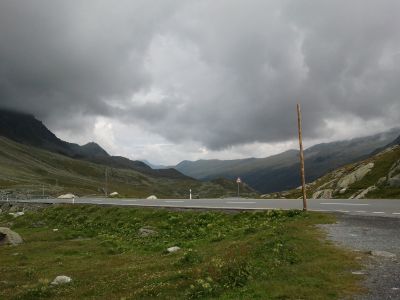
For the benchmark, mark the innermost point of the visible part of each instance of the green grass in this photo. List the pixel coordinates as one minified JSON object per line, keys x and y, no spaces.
{"x":257,"y":255}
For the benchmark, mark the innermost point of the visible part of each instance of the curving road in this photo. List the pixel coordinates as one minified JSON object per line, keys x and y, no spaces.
{"x":375,"y":207}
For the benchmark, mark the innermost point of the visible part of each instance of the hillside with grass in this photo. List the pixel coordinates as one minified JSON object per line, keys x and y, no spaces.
{"x":375,"y":177}
{"x":121,"y":253}
{"x":27,"y":171}
{"x":26,"y":129}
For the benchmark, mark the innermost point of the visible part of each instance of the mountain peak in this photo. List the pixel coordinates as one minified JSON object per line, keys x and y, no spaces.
{"x":94,"y":149}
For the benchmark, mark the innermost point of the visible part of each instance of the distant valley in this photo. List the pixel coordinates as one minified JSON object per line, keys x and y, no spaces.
{"x":281,"y":172}
{"x":34,"y":162}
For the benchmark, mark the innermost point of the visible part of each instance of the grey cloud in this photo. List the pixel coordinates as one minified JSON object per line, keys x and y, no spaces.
{"x":227,"y":72}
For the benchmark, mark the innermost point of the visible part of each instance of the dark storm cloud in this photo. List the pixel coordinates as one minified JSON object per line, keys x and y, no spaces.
{"x":220,"y":72}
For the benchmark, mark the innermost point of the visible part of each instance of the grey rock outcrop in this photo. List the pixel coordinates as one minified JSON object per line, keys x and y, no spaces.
{"x":365,"y":192}
{"x":355,"y":176}
{"x":323,"y":194}
{"x":9,"y":237}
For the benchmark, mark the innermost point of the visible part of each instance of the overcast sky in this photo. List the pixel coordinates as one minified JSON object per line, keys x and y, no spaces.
{"x":172,"y":80}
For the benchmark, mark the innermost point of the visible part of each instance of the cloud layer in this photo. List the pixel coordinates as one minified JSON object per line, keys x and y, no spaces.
{"x":214,"y":73}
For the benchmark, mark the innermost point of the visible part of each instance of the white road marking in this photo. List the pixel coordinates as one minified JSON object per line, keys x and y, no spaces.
{"x":343,"y":211}
{"x":319,"y":210}
{"x":175,"y":201}
{"x":351,"y":204}
{"x":378,"y":212}
{"x":360,"y":211}
{"x":234,"y":202}
{"x":396,"y":213}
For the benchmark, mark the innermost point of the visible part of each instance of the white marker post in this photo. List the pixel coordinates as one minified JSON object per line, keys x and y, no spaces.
{"x":238,"y":181}
{"x":73,"y":200}
{"x":190,"y":194}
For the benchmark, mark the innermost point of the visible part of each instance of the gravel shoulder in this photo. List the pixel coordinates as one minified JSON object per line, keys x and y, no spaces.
{"x":379,"y":238}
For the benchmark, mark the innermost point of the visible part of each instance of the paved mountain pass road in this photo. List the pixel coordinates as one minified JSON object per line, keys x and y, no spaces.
{"x":374,"y":207}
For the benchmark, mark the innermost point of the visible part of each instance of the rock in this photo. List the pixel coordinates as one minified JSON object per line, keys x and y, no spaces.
{"x":343,"y":190}
{"x":382,"y":254}
{"x":355,"y":176}
{"x":173,"y":249}
{"x":147,"y":232}
{"x":61,"y":280}
{"x":323,"y":194}
{"x":67,"y":196}
{"x":394,"y":168}
{"x":17,"y":214}
{"x":394,"y":181}
{"x":114,"y":194}
{"x":358,"y":273}
{"x":152,"y":197}
{"x":381,"y":181}
{"x":9,"y":237}
{"x":365,"y":192}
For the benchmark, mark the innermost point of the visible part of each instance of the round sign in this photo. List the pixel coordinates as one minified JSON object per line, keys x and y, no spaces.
{"x":238,"y":180}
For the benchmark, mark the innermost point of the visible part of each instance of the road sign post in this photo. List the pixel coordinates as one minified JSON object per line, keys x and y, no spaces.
{"x":238,"y":181}
{"x":303,"y":180}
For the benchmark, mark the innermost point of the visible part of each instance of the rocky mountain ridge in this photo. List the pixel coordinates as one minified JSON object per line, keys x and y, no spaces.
{"x":375,"y":177}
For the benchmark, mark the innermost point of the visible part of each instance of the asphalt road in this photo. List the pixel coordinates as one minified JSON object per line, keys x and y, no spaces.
{"x":375,"y":207}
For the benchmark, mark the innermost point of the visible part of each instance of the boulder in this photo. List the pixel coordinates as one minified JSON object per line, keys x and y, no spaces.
{"x":173,"y":249}
{"x":152,"y":197}
{"x":61,"y":280}
{"x":16,"y":214}
{"x":144,"y":232}
{"x":394,"y":181}
{"x":67,"y":196}
{"x":114,"y":194}
{"x":9,"y":237}
{"x":355,"y":176}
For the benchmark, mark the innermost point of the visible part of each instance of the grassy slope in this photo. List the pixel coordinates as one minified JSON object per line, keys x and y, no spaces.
{"x":382,"y":164}
{"x":264,"y":255}
{"x":26,"y":169}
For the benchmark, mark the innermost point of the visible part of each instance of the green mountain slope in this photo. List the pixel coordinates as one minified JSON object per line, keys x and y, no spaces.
{"x":25,"y":170}
{"x":280,"y":172}
{"x":375,"y":177}
{"x":27,"y":130}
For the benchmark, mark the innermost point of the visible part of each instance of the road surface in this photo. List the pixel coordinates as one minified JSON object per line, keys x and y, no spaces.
{"x":376,"y":207}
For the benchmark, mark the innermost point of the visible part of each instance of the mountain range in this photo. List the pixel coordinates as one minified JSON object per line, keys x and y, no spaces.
{"x":27,"y":130}
{"x":281,"y":172}
{"x":35,"y":162}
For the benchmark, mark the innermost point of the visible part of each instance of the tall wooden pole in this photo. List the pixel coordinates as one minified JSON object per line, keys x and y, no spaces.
{"x":106,"y":187}
{"x":303,"y":179}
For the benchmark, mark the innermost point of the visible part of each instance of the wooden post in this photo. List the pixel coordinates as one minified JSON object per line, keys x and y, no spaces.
{"x":106,"y":186}
{"x":303,"y":179}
